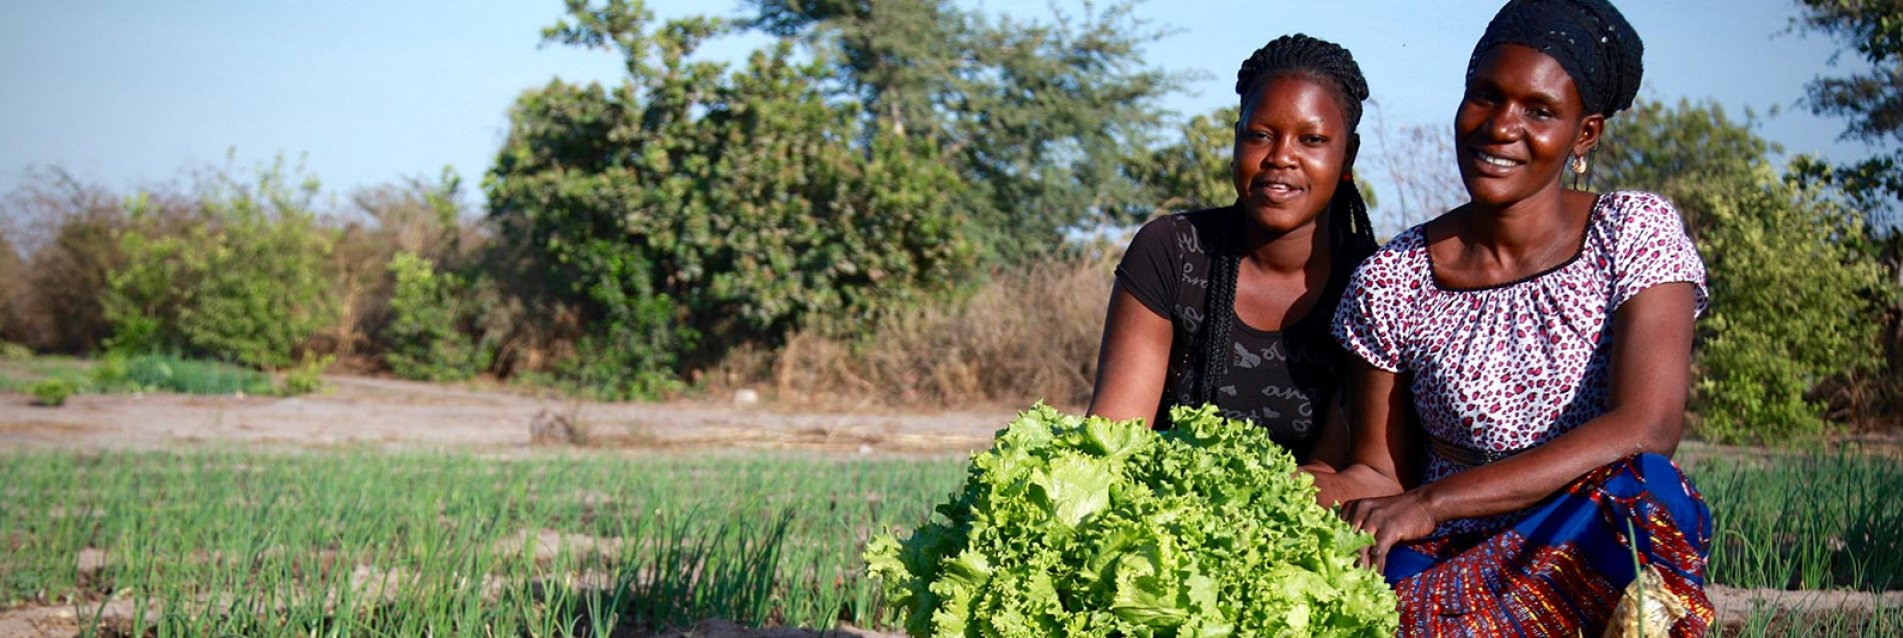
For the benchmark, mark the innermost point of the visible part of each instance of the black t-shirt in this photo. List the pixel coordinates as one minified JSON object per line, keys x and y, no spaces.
{"x":1281,"y":380}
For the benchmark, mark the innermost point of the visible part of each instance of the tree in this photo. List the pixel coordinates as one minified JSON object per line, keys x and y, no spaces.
{"x":1193,"y":172}
{"x":14,"y":318}
{"x":65,"y":232}
{"x":1418,"y":161}
{"x":1872,"y":102}
{"x":691,"y":210}
{"x":1794,"y":306}
{"x":428,"y":337}
{"x":1047,"y":126}
{"x":1677,"y":151}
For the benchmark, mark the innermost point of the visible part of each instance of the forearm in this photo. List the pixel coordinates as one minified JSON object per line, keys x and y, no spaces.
{"x":1531,"y":476}
{"x":1335,"y":486}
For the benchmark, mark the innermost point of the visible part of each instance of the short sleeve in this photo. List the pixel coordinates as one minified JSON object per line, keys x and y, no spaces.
{"x":1367,"y":321}
{"x":1148,"y":268}
{"x":1652,"y":248}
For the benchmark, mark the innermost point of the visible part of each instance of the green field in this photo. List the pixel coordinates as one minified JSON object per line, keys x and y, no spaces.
{"x":141,"y":373}
{"x":366,"y":543}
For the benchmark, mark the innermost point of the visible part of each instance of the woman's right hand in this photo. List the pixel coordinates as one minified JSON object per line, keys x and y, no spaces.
{"x":1391,"y":520}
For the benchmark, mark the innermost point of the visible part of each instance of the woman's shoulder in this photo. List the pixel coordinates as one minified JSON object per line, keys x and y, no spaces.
{"x":1622,"y":209}
{"x":1180,"y":233}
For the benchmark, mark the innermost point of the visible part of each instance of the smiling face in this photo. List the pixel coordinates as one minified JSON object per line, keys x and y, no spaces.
{"x":1292,"y":148}
{"x":1518,"y":126}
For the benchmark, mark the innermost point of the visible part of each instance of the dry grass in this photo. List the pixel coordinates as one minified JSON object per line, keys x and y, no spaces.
{"x":380,"y":222}
{"x":1022,"y":335}
{"x":62,"y":237}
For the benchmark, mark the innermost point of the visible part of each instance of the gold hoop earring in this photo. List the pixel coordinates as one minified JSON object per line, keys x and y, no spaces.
{"x":1579,"y":165}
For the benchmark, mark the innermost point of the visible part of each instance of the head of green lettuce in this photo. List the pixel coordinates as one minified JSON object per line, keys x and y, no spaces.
{"x":1072,"y":526}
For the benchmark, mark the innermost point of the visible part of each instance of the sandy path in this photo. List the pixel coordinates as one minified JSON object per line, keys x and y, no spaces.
{"x":360,"y":411}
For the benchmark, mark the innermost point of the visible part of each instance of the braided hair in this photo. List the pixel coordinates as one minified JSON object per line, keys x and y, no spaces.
{"x":1351,"y":235}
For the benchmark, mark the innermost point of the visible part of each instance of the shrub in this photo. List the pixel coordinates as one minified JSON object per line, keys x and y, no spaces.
{"x":111,"y":372}
{"x":693,"y":210}
{"x":427,"y":338}
{"x":1792,"y":305}
{"x":51,"y":391}
{"x":245,"y":279}
{"x":307,"y":377}
{"x":420,"y":216}
{"x":66,"y":238}
{"x":172,"y":373}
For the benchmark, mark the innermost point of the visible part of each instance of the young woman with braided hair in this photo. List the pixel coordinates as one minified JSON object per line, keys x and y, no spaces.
{"x":1522,"y":362}
{"x":1231,"y":306}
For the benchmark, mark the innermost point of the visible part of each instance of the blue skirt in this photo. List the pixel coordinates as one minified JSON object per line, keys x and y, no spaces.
{"x":1560,"y":570}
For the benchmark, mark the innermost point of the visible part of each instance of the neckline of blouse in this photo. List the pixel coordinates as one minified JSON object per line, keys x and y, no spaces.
{"x":1592,"y":217}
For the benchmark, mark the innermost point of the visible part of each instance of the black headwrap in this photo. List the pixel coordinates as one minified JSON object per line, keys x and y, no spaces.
{"x":1589,"y":38}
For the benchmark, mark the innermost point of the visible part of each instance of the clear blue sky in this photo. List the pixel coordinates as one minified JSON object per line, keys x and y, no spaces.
{"x":131,"y":93}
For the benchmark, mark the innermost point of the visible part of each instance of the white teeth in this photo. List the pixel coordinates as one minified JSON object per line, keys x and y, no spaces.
{"x":1497,"y":161}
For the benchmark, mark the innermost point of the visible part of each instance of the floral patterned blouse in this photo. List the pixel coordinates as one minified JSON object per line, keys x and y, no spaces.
{"x":1500,"y":369}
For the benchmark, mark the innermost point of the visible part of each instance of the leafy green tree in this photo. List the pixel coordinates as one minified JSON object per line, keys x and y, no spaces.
{"x":1793,"y":301}
{"x":1193,"y":172}
{"x":1048,"y":126}
{"x":1793,"y":306}
{"x":692,"y":210}
{"x":1678,"y":150}
{"x":1872,"y":99}
{"x":1872,"y":102}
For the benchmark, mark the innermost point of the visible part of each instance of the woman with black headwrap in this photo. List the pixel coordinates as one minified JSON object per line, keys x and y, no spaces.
{"x":1523,"y":363}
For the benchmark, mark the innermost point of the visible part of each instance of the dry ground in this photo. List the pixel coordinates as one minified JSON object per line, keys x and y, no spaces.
{"x":362,"y":411}
{"x":390,"y":414}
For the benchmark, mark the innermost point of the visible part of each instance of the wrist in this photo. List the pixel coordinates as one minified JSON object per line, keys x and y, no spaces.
{"x":1432,"y":501}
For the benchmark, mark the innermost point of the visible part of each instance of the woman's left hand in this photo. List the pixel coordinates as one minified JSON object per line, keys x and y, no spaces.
{"x":1391,"y":519}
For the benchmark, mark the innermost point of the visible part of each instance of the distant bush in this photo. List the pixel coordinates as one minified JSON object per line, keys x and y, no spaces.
{"x":112,"y":373}
{"x":1791,"y":306}
{"x":1795,"y":305}
{"x":15,"y":292}
{"x":244,"y":279}
{"x":633,"y":351}
{"x":423,"y":217}
{"x":143,"y":373}
{"x":694,"y":210}
{"x":307,"y":377}
{"x":427,"y":337}
{"x":63,"y":240}
{"x":51,"y":392}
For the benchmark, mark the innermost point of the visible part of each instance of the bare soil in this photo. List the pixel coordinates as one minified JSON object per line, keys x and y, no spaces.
{"x":392,"y":414}
{"x":365,"y":412}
